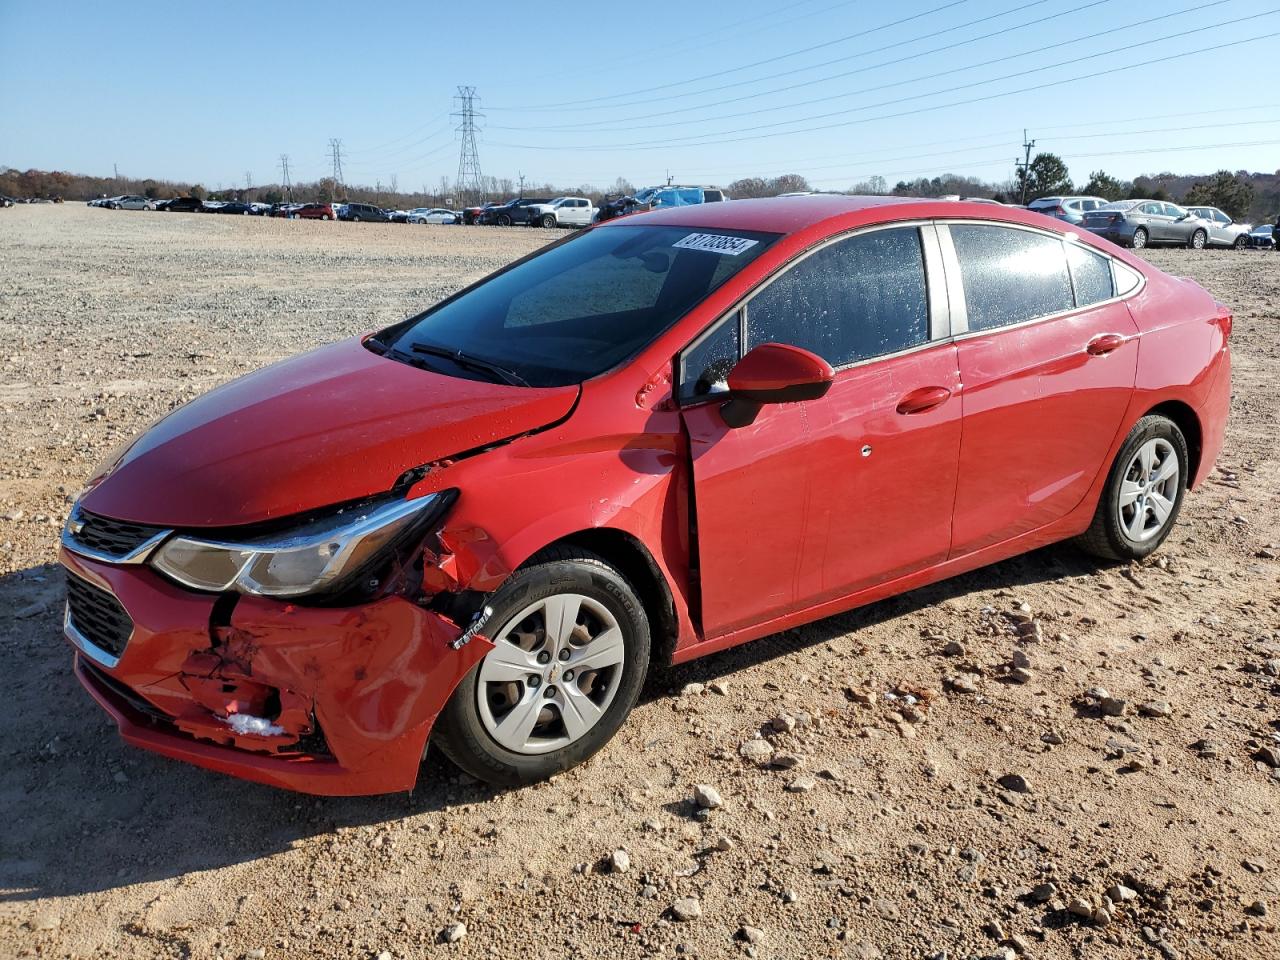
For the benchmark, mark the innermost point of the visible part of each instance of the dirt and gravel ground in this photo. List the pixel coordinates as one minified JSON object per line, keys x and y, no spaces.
{"x":964,"y":825}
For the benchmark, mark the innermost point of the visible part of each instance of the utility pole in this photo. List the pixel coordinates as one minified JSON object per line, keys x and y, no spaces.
{"x":1025,"y":165}
{"x":284,"y":176}
{"x":335,"y":151}
{"x":521,"y":193}
{"x":469,"y":176}
{"x":248,"y":180}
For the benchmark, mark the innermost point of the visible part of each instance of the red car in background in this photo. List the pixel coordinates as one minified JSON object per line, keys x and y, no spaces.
{"x":316,"y":211}
{"x":483,"y":524}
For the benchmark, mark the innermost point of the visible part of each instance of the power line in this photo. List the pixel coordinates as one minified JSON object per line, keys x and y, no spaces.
{"x":469,"y":176}
{"x":843,"y":59}
{"x":748,"y":66}
{"x":725,"y":136}
{"x":929,"y":76}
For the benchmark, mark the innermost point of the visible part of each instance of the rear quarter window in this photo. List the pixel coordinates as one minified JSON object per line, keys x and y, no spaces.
{"x":1091,"y":274}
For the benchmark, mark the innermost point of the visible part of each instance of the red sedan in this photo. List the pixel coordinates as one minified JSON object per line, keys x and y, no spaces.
{"x":661,"y":437}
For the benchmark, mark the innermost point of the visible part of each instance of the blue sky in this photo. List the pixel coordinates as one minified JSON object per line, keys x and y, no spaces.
{"x":837,"y":91}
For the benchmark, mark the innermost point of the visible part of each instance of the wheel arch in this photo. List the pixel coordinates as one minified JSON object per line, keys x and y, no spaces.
{"x":634,"y":561}
{"x":1188,"y":421}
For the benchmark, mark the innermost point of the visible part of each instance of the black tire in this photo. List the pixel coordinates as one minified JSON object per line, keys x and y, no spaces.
{"x":504,"y":220}
{"x":1141,"y":238}
{"x":548,"y":220}
{"x":1199,"y":240}
{"x":1106,"y":537}
{"x":1242,"y":241}
{"x":459,"y":731}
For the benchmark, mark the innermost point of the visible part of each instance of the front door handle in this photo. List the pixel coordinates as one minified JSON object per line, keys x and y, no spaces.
{"x":1104,"y":344}
{"x":923,"y":399}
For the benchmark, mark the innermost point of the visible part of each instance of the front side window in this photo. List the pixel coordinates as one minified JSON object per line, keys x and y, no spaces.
{"x":705,"y":366}
{"x":857,"y":298}
{"x":1010,"y":275}
{"x":578,"y":308}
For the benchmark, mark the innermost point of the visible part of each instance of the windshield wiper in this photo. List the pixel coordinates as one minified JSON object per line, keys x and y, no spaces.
{"x":472,"y":363}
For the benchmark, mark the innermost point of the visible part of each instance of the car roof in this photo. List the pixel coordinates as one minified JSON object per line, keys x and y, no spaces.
{"x":792,"y":214}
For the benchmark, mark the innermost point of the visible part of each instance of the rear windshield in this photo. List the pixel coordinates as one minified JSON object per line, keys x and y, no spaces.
{"x":577,"y":309}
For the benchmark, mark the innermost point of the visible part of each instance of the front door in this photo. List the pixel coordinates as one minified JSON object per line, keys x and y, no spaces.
{"x":815,"y":501}
{"x":1043,"y":398}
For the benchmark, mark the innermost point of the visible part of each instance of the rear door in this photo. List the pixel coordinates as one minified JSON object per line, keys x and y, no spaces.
{"x":818,"y":500}
{"x":1048,"y":358}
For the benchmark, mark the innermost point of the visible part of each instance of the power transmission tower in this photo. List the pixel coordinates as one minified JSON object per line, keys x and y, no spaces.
{"x":284,"y":176}
{"x":470,"y":180}
{"x":521,"y":193}
{"x":248,"y":180}
{"x":1025,"y":166}
{"x":335,"y":150}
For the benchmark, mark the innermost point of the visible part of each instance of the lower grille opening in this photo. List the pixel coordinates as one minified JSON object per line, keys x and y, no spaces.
{"x":98,"y":616}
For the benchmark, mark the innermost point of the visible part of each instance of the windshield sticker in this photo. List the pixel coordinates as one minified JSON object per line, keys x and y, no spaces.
{"x":715,"y":243}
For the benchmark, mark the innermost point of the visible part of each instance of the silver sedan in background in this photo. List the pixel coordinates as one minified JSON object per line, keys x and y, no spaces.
{"x":1223,"y":231}
{"x":1147,"y":223}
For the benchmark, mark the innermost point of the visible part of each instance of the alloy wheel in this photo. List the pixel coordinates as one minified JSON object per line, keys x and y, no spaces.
{"x":553,"y":671}
{"x":1149,"y":490}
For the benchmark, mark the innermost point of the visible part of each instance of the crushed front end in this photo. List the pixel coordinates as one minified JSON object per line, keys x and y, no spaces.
{"x":332,"y":695}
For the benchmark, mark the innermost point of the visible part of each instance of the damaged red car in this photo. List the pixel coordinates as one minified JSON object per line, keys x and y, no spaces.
{"x":661,"y":437}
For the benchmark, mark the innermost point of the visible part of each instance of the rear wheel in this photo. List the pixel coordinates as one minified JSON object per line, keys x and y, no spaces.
{"x":1144,"y":491}
{"x":571,"y":648}
{"x":1198,"y":240}
{"x":1140,"y":238}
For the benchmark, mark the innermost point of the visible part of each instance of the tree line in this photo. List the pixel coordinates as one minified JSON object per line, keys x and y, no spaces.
{"x":1241,"y":194}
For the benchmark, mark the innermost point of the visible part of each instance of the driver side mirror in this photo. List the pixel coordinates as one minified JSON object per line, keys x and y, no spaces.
{"x":774,"y":373}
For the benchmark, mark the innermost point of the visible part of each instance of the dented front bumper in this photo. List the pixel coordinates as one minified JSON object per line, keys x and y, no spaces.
{"x":336,"y":701}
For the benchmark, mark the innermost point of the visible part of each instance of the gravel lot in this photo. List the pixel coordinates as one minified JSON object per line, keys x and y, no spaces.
{"x":969,"y":824}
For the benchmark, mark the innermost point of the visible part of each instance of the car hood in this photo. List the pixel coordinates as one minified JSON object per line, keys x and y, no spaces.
{"x":336,"y":424}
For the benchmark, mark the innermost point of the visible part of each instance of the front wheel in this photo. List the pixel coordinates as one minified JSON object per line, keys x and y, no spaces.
{"x":1242,"y":241}
{"x":571,"y":649}
{"x":1140,"y":238}
{"x":504,"y":221}
{"x":1198,"y":240}
{"x":1143,"y":494}
{"x":548,"y":220}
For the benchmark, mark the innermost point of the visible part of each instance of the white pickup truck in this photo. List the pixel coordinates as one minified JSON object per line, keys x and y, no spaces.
{"x":562,"y":212}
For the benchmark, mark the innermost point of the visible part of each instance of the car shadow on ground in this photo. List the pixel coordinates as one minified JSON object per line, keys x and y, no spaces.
{"x":82,"y":812}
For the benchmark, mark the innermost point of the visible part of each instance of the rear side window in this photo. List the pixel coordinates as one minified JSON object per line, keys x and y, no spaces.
{"x":854,"y":299}
{"x":1091,"y":274}
{"x":1010,"y":275}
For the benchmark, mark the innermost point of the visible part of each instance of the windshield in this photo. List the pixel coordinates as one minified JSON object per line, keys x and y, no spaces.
{"x":577,"y":309}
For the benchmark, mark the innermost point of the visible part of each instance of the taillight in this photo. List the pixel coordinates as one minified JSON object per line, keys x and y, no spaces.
{"x":1224,"y":320}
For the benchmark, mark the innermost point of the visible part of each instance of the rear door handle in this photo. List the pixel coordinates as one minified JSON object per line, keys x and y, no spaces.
{"x":923,"y":399}
{"x":1104,"y":344}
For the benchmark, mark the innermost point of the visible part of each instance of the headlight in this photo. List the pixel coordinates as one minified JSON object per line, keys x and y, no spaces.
{"x":306,"y":559}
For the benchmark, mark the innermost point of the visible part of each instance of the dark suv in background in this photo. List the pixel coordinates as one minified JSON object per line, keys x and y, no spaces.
{"x":512,"y":212}
{"x":363,"y":211}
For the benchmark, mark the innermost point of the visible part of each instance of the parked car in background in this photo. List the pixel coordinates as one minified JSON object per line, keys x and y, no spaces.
{"x":286,"y":210}
{"x":183,"y":205}
{"x":471,"y":215}
{"x":268,"y":584}
{"x":513,"y":212}
{"x":363,"y":212}
{"x":562,"y":212}
{"x":1070,"y":209}
{"x":259,"y":209}
{"x":316,"y":211}
{"x":232,"y":206}
{"x":432,"y":215}
{"x":1263,"y":237}
{"x":6,"y":201}
{"x":1223,"y":231}
{"x":1147,"y":223}
{"x":658,"y":198}
{"x":131,"y":202}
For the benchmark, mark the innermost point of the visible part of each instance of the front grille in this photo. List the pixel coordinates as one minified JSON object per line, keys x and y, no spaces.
{"x":116,"y":538}
{"x":98,"y":616}
{"x":114,"y":686}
